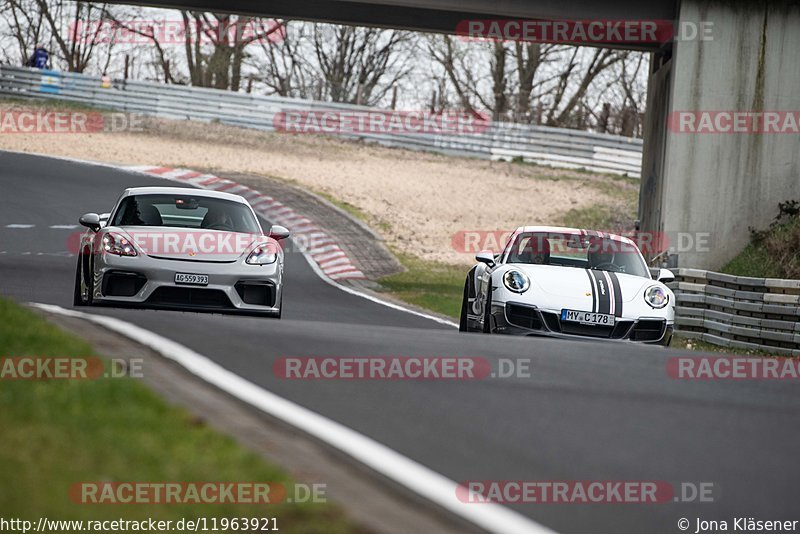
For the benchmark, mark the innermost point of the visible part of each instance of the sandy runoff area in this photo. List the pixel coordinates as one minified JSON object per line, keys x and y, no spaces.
{"x":417,"y":201}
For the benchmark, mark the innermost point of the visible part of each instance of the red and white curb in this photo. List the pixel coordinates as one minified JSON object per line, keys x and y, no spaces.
{"x":315,"y":243}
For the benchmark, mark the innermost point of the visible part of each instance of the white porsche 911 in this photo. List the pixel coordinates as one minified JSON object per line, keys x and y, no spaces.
{"x":180,"y":248}
{"x":565,"y":282}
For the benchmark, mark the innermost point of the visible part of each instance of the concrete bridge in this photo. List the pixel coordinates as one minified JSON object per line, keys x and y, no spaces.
{"x":708,"y":185}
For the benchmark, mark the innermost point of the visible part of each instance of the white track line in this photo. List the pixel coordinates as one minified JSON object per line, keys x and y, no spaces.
{"x":416,"y":477}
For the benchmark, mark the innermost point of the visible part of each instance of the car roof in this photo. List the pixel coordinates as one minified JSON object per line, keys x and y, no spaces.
{"x":565,"y":230}
{"x":182,"y":191}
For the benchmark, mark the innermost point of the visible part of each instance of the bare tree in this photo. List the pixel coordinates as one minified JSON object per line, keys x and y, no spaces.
{"x":214,"y":46}
{"x":282,"y":65}
{"x":75,"y":28}
{"x":69,"y":30}
{"x":498,"y":77}
{"x":554,"y":84}
{"x":568,"y":96}
{"x":24,"y":26}
{"x":458,"y":69}
{"x":359,"y":65}
{"x":220,"y":63}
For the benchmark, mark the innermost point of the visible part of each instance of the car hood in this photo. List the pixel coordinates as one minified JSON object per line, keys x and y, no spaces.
{"x":189,"y":244}
{"x":583,"y":284}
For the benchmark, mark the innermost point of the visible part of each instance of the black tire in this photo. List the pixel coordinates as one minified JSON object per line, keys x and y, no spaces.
{"x":280,"y":307}
{"x":487,"y":310}
{"x":77,"y":294}
{"x":463,"y":324}
{"x":667,"y":339}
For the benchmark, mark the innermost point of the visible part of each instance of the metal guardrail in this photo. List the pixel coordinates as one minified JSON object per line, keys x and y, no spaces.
{"x":557,"y":147}
{"x":738,"y":311}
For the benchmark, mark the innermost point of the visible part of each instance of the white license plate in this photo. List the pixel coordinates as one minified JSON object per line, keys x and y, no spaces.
{"x":584,"y":317}
{"x":191,"y":279}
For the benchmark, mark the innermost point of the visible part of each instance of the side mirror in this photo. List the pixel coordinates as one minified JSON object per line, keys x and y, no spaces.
{"x":90,"y":220}
{"x":278,"y":232}
{"x":485,"y":257}
{"x":104,"y":218}
{"x":665,"y":276}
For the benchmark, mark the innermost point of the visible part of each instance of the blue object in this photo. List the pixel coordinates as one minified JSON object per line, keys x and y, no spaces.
{"x":40,"y":58}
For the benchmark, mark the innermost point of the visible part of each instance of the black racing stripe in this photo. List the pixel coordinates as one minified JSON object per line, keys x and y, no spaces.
{"x":603,"y":293}
{"x":617,"y":294}
{"x":593,"y":289}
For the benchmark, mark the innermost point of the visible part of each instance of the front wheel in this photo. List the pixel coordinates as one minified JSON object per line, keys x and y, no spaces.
{"x":463,"y":322}
{"x":79,"y":293}
{"x":667,"y":338}
{"x":487,"y":310}
{"x":280,"y":307}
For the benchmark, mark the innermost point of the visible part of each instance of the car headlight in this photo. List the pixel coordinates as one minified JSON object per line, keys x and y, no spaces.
{"x":656,"y":297}
{"x":118,"y":245}
{"x":262,"y":255}
{"x":516,"y":281}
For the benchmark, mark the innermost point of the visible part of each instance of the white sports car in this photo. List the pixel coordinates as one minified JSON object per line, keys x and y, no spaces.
{"x":180,"y":248}
{"x":566,"y":282}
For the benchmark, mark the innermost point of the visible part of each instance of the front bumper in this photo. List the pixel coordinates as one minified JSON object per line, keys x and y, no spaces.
{"x":146,"y":282}
{"x":523,"y":319}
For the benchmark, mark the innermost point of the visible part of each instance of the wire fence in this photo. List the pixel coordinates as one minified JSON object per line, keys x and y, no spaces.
{"x":556,"y":147}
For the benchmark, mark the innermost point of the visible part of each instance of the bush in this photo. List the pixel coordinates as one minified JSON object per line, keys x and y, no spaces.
{"x":774,"y":252}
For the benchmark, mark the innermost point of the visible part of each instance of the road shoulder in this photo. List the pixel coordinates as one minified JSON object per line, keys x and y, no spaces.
{"x":371,"y":501}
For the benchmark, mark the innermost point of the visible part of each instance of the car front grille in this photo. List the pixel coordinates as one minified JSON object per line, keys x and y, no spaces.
{"x":531,"y":318}
{"x":590,"y":330}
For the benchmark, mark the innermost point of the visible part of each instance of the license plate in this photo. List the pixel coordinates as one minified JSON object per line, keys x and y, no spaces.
{"x":191,"y":279}
{"x":584,"y":317}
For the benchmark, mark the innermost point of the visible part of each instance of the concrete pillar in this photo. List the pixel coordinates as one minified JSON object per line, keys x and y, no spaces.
{"x":651,"y":191}
{"x":719,"y":185}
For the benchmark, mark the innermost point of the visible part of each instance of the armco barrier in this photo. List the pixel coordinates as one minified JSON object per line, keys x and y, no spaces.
{"x":557,"y":147}
{"x":738,"y":311}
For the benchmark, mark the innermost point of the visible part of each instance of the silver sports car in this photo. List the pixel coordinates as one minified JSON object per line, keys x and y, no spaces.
{"x":179,"y":248}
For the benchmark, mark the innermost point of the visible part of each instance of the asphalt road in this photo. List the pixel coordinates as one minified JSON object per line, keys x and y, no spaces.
{"x":590,"y":411}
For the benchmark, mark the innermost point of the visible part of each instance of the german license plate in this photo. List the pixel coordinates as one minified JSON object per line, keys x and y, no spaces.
{"x":191,"y":279}
{"x":584,"y":317}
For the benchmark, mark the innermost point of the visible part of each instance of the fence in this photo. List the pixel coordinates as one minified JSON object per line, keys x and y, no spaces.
{"x":557,"y":147}
{"x":738,"y":311}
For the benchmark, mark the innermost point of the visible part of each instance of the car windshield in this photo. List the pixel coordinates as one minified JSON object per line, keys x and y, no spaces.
{"x":185,"y":211}
{"x":577,"y":250}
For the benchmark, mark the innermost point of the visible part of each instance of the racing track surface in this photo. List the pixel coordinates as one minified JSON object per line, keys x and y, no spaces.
{"x":590,"y":411}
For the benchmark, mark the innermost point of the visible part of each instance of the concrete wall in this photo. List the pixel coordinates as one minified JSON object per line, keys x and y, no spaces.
{"x":651,"y":191}
{"x":722,"y":184}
